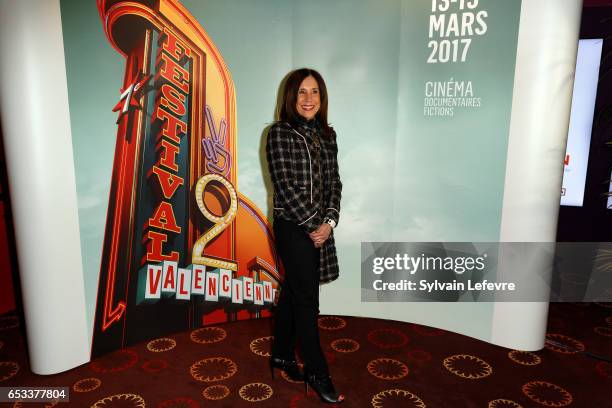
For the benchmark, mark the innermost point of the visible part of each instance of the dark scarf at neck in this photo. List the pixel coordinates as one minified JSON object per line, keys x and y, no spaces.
{"x":312,"y":124}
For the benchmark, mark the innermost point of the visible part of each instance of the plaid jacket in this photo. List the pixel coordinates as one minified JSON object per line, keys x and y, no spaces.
{"x":297,"y":195}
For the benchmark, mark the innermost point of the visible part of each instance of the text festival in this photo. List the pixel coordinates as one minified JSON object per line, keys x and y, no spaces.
{"x":161,"y":276}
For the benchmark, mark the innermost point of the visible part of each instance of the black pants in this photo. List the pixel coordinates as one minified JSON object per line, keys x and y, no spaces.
{"x":296,"y":314}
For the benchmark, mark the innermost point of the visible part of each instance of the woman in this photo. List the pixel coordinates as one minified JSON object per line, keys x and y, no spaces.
{"x":302,"y":157}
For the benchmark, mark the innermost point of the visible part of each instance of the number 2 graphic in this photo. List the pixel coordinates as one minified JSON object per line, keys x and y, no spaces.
{"x":220,"y":223}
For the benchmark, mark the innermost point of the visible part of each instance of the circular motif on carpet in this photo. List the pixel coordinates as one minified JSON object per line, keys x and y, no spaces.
{"x":603,"y":331}
{"x":180,"y":402}
{"x":255,"y":392}
{"x":574,"y":346}
{"x":609,"y":320}
{"x":547,"y":394}
{"x":387,"y":338}
{"x":420,"y":356}
{"x":331,"y":323}
{"x":215,"y":392}
{"x":122,"y":400}
{"x":397,"y":398}
{"x":387,"y":369}
{"x":161,"y":345}
{"x":604,"y":369}
{"x":8,"y":369}
{"x":427,"y":331}
{"x":208,"y":335}
{"x":118,"y":361}
{"x":87,"y":384}
{"x":8,"y":322}
{"x":524,"y":357}
{"x":213,"y":369}
{"x":468,"y":366}
{"x":154,"y":366}
{"x":503,"y":403}
{"x":344,"y":345}
{"x":262,"y":346}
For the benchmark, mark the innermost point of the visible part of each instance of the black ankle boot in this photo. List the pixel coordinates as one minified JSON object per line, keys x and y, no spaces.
{"x":290,"y":367}
{"x":324,"y":388}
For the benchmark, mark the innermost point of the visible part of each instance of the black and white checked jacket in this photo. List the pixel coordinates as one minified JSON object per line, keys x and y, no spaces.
{"x":297,"y":195}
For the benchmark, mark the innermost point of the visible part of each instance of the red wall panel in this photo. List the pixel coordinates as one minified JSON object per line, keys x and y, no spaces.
{"x":7,"y":296}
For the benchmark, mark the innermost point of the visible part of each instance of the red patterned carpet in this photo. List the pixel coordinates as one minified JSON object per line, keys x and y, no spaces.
{"x":376,"y":363}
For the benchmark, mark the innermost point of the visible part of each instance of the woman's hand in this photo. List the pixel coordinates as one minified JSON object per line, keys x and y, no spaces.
{"x":320,"y":235}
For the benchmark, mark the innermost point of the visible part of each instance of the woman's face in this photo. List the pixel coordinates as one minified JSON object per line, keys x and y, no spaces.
{"x":308,"y":98}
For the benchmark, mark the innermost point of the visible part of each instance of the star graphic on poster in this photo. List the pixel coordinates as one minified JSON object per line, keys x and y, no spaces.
{"x":130,"y":95}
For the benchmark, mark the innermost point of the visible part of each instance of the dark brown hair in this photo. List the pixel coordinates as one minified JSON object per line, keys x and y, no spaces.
{"x":288,"y":111}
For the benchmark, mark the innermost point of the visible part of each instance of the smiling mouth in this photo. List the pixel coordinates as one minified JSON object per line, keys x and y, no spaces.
{"x":308,"y":107}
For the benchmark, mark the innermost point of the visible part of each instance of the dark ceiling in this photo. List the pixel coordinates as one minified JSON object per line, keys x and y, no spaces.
{"x":597,"y":3}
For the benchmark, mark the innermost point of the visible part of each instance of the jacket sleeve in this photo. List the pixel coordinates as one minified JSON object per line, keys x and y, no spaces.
{"x":295,"y":201}
{"x":332,"y":209}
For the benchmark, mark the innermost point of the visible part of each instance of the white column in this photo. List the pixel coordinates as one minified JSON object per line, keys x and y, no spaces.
{"x":37,"y":139}
{"x":545,"y":64}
